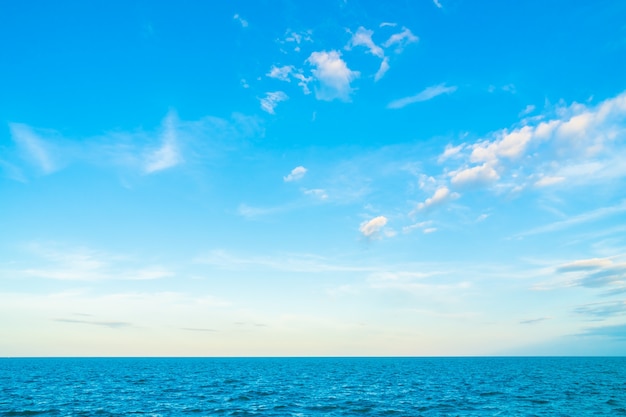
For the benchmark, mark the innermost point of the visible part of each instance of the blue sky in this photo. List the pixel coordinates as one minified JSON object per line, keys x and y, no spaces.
{"x":274,"y":178}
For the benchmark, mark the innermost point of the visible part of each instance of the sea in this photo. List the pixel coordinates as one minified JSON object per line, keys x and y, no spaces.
{"x":406,"y":386}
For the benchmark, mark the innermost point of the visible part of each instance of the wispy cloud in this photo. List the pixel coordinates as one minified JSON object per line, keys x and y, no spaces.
{"x":33,"y":147}
{"x":535,"y":321}
{"x":603,"y":310}
{"x":281,"y":73}
{"x":296,"y":174}
{"x":333,"y":75}
{"x":586,"y":217}
{"x":401,"y":39}
{"x":110,"y":324}
{"x":243,"y":22}
{"x":428,"y":94}
{"x":382,"y":70}
{"x":62,"y":262}
{"x":167,"y":155}
{"x":271,"y":100}
{"x":280,"y":262}
{"x":363,"y":37}
{"x":438,"y":4}
{"x":595,"y":273}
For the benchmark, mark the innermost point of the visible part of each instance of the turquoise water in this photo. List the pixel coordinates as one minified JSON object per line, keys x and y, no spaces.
{"x":313,"y":387}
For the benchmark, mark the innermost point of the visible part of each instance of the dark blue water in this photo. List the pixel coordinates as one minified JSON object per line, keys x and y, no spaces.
{"x":313,"y":387}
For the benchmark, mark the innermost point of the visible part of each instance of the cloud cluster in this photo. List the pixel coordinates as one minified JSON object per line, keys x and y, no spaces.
{"x":575,"y":144}
{"x":329,"y":71}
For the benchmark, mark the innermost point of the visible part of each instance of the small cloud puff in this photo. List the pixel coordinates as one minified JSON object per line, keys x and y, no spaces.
{"x":372,"y":228}
{"x":271,"y":100}
{"x":296,"y":174}
{"x":333,"y":75}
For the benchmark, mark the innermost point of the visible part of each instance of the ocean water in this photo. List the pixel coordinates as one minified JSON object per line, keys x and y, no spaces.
{"x":313,"y":387}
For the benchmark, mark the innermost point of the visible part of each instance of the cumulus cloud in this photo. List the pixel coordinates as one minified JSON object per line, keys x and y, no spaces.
{"x":333,"y":75}
{"x":363,"y":37}
{"x":280,"y":73}
{"x":442,"y":195}
{"x":296,"y":174}
{"x":401,"y":39}
{"x":428,"y":94}
{"x":371,"y":228}
{"x":167,"y":155}
{"x":271,"y":100}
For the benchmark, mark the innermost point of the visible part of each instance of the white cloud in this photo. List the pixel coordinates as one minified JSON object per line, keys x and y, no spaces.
{"x":438,"y":4}
{"x":296,"y":174}
{"x":333,"y":75}
{"x":428,"y":94}
{"x":363,"y":37}
{"x":451,"y":152}
{"x":382,"y":70}
{"x":371,"y":228}
{"x":509,"y":145}
{"x":242,"y":21}
{"x":167,"y":155}
{"x":33,"y":146}
{"x":441,"y":196}
{"x":280,"y":73}
{"x":271,"y":100}
{"x":401,"y":39}
{"x":477,"y":175}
